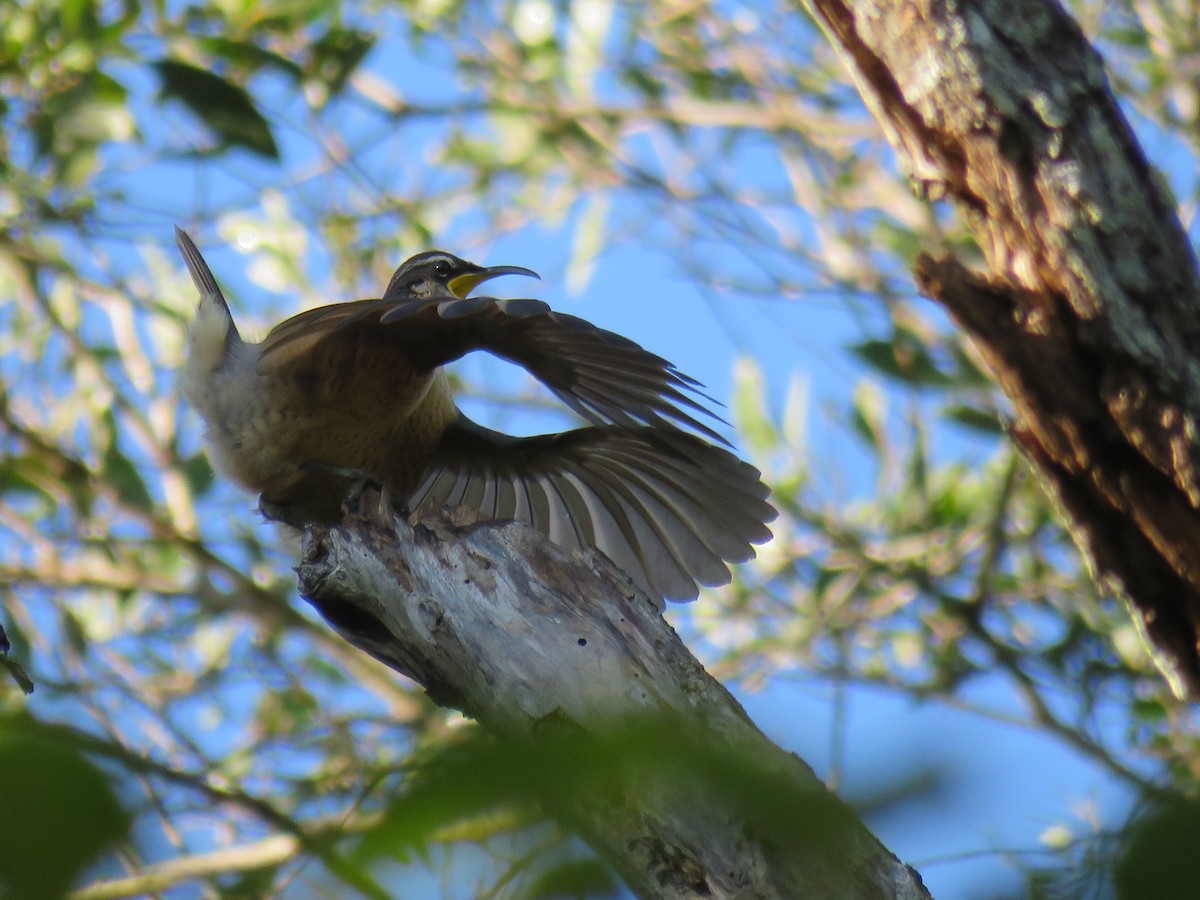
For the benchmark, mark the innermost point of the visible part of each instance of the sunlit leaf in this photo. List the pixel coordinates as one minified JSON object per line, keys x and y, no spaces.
{"x":78,"y":16}
{"x":589,"y":241}
{"x":72,"y":124}
{"x":750,"y":413}
{"x":867,"y":418}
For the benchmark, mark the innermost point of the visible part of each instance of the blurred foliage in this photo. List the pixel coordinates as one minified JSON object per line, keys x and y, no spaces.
{"x":325,"y":141}
{"x":1155,"y":860}
{"x":478,"y":776}
{"x":58,"y":812}
{"x":474,"y":787}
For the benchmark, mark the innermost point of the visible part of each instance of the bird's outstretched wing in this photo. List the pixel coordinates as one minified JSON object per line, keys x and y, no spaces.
{"x":669,"y":509}
{"x":605,"y":378}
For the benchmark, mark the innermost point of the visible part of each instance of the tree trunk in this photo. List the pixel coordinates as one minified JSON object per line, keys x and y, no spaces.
{"x":1089,"y":313}
{"x":536,"y":642}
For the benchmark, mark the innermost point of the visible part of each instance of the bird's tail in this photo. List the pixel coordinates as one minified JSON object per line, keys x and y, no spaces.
{"x":205,"y":281}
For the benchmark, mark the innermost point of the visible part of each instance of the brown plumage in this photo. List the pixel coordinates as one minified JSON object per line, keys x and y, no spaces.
{"x":356,"y":390}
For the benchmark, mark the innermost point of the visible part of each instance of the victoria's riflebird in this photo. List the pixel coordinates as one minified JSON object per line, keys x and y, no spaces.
{"x":356,"y":391}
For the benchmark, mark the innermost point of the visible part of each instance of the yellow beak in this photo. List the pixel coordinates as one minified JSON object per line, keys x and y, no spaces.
{"x":462,"y":285}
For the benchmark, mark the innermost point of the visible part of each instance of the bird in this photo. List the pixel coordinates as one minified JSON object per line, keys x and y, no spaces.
{"x":357,"y":391}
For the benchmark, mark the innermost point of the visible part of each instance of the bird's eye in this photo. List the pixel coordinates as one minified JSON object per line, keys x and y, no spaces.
{"x":441,"y":269}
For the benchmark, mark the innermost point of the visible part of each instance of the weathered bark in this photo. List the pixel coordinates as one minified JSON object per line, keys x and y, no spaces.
{"x":1089,"y":313}
{"x":532,"y":640}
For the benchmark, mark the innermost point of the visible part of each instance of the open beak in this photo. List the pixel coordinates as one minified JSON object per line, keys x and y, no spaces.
{"x":462,"y":285}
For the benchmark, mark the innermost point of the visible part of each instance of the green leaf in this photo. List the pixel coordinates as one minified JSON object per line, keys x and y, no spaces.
{"x":450,"y":785}
{"x":574,"y":878}
{"x":481,"y":775}
{"x":58,"y":813}
{"x":975,"y":419}
{"x":649,"y":85}
{"x":589,"y":241}
{"x":252,"y":56}
{"x":224,"y":107}
{"x":967,"y":373}
{"x":868,"y":418}
{"x":337,"y":53}
{"x":903,"y":242}
{"x":294,"y":12}
{"x":15,"y":476}
{"x":199,"y":474}
{"x":904,"y":358}
{"x":19,"y":675}
{"x":125,"y":479}
{"x":1157,"y":860}
{"x":1148,"y":710}
{"x":879,"y":355}
{"x":1128,"y":36}
{"x":795,"y":415}
{"x":917,"y":468}
{"x":78,"y":17}
{"x":70,"y":125}
{"x":750,"y":413}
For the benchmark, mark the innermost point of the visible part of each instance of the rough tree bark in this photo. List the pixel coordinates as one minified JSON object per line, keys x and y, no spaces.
{"x":534,"y":641}
{"x":1089,"y":313}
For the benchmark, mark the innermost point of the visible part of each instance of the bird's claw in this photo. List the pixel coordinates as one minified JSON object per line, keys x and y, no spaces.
{"x":360,"y":481}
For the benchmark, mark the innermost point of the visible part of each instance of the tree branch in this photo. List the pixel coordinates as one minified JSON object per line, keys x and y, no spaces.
{"x":271,"y":851}
{"x":533,"y":640}
{"x":1090,"y":314}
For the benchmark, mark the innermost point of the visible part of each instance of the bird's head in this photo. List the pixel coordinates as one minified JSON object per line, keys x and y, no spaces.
{"x":439,"y":274}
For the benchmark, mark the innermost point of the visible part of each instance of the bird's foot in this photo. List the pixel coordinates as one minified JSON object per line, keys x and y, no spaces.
{"x":273,"y":511}
{"x":360,"y":481}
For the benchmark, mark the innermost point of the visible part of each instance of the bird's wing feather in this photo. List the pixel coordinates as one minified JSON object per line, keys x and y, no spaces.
{"x":667,"y":508}
{"x":605,"y":378}
{"x":293,"y":339}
